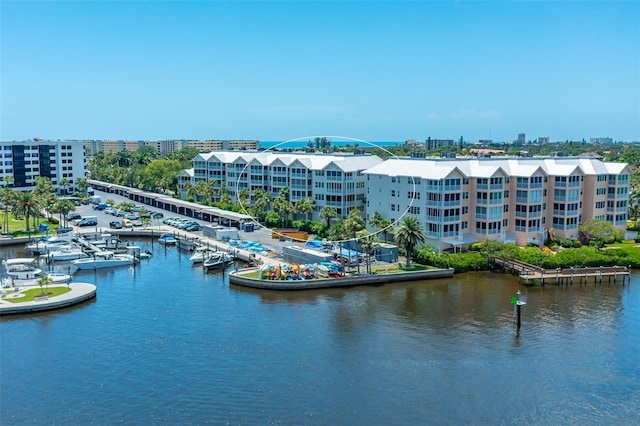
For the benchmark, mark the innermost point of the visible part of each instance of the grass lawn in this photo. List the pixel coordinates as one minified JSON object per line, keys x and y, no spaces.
{"x":29,"y":294}
{"x":17,"y":226}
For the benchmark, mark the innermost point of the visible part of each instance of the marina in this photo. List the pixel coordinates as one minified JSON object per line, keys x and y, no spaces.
{"x":190,"y":345}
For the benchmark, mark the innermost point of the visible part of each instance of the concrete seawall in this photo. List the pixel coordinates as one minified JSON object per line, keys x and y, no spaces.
{"x":237,"y":279}
{"x":80,"y":292}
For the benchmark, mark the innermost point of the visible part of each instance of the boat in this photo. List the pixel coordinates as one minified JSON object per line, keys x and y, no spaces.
{"x":217,"y":260}
{"x":167,"y":240}
{"x":70,"y":252}
{"x":23,"y":272}
{"x":49,"y":244}
{"x":103,"y":259}
{"x":200,"y":254}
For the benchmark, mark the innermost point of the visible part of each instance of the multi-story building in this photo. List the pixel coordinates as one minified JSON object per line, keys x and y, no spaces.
{"x":22,"y":162}
{"x":167,"y":146}
{"x":330,"y":180}
{"x":513,"y":199}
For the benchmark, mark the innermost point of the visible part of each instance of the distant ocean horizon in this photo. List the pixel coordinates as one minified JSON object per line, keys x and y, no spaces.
{"x":302,"y":144}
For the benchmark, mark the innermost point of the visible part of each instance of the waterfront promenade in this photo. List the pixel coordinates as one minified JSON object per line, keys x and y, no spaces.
{"x":532,"y":274}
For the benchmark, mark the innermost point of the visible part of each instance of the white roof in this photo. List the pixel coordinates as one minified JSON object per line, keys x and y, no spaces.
{"x":439,"y":168}
{"x":346,"y":162}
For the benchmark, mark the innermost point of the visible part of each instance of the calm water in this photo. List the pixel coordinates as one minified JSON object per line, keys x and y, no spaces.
{"x":167,"y":344}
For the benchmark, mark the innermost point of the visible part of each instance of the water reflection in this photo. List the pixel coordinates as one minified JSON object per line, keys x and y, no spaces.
{"x":165,"y":341}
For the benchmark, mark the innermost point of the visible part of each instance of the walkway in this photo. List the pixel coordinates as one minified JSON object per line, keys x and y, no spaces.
{"x":532,"y":273}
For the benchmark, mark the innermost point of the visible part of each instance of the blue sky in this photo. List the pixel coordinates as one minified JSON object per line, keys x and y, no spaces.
{"x":377,"y":71}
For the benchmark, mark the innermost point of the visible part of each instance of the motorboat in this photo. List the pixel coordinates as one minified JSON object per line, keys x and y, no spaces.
{"x":103,"y":259}
{"x":24,"y":272}
{"x":49,"y":244}
{"x":217,"y":260}
{"x":200,"y":254}
{"x":70,"y":252}
{"x":167,"y":240}
{"x":22,"y":268}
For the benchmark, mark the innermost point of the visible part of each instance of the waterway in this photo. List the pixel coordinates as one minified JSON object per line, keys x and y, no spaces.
{"x":165,"y":343}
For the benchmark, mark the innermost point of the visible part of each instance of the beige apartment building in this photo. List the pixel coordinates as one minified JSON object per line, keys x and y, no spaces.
{"x":511,"y":199}
{"x":165,"y":147}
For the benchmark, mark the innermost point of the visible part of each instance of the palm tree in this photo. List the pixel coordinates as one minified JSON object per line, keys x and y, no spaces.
{"x":7,"y":197}
{"x":375,"y":219}
{"x":305,"y":206}
{"x":409,"y":235}
{"x":225,"y":197}
{"x":201,"y":189}
{"x":83,"y":186}
{"x":27,"y":205}
{"x":243,"y":198}
{"x":63,"y":207}
{"x":190,"y":190}
{"x":369,"y":243}
{"x":327,"y":213}
{"x":261,"y":203}
{"x":282,"y":204}
{"x":64,"y":183}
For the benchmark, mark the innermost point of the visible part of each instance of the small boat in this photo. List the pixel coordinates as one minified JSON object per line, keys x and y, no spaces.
{"x":167,"y":240}
{"x":49,"y":244}
{"x":200,"y":254}
{"x":23,"y":271}
{"x":63,"y":253}
{"x":217,"y":260}
{"x":103,"y":259}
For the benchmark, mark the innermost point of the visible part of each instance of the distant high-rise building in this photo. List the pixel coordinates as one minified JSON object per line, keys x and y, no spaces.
{"x":521,"y":139}
{"x":601,"y":140}
{"x":543,"y":139}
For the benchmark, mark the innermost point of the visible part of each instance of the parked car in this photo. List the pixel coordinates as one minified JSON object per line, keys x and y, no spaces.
{"x":157,"y":215}
{"x":136,"y":223}
{"x":116,"y":224}
{"x":126,"y":223}
{"x":131,"y":216}
{"x":74,"y":216}
{"x":88,"y":221}
{"x":192,"y":228}
{"x":64,"y":230}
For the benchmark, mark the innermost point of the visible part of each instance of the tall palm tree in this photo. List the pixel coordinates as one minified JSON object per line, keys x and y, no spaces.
{"x":282,"y":205}
{"x":327,"y":213}
{"x":27,"y":205}
{"x":64,"y":183}
{"x":243,"y":198}
{"x":305,"y":206}
{"x":63,"y":207}
{"x":7,"y":197}
{"x":409,"y":235}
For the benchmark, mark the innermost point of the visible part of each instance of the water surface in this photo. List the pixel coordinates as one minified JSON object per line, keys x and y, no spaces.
{"x":165,"y":343}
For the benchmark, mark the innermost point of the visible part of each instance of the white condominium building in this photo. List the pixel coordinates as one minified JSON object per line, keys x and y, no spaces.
{"x":518,"y":200}
{"x":330,"y":180}
{"x":23,"y":161}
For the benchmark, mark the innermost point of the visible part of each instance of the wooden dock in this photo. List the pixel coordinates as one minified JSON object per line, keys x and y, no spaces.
{"x":531,"y":274}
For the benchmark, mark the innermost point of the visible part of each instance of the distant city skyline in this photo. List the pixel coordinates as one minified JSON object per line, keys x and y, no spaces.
{"x":275,"y":71}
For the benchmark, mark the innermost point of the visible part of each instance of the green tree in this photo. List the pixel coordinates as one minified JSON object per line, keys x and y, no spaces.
{"x":409,"y":235}
{"x":243,"y":198}
{"x":225,"y":197}
{"x":64,"y":183}
{"x":261,"y":203}
{"x":306,"y":206}
{"x":83,"y":186}
{"x":27,"y":206}
{"x":282,"y":205}
{"x":63,"y":207}
{"x":600,"y":231}
{"x":8,"y":199}
{"x":327,"y":213}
